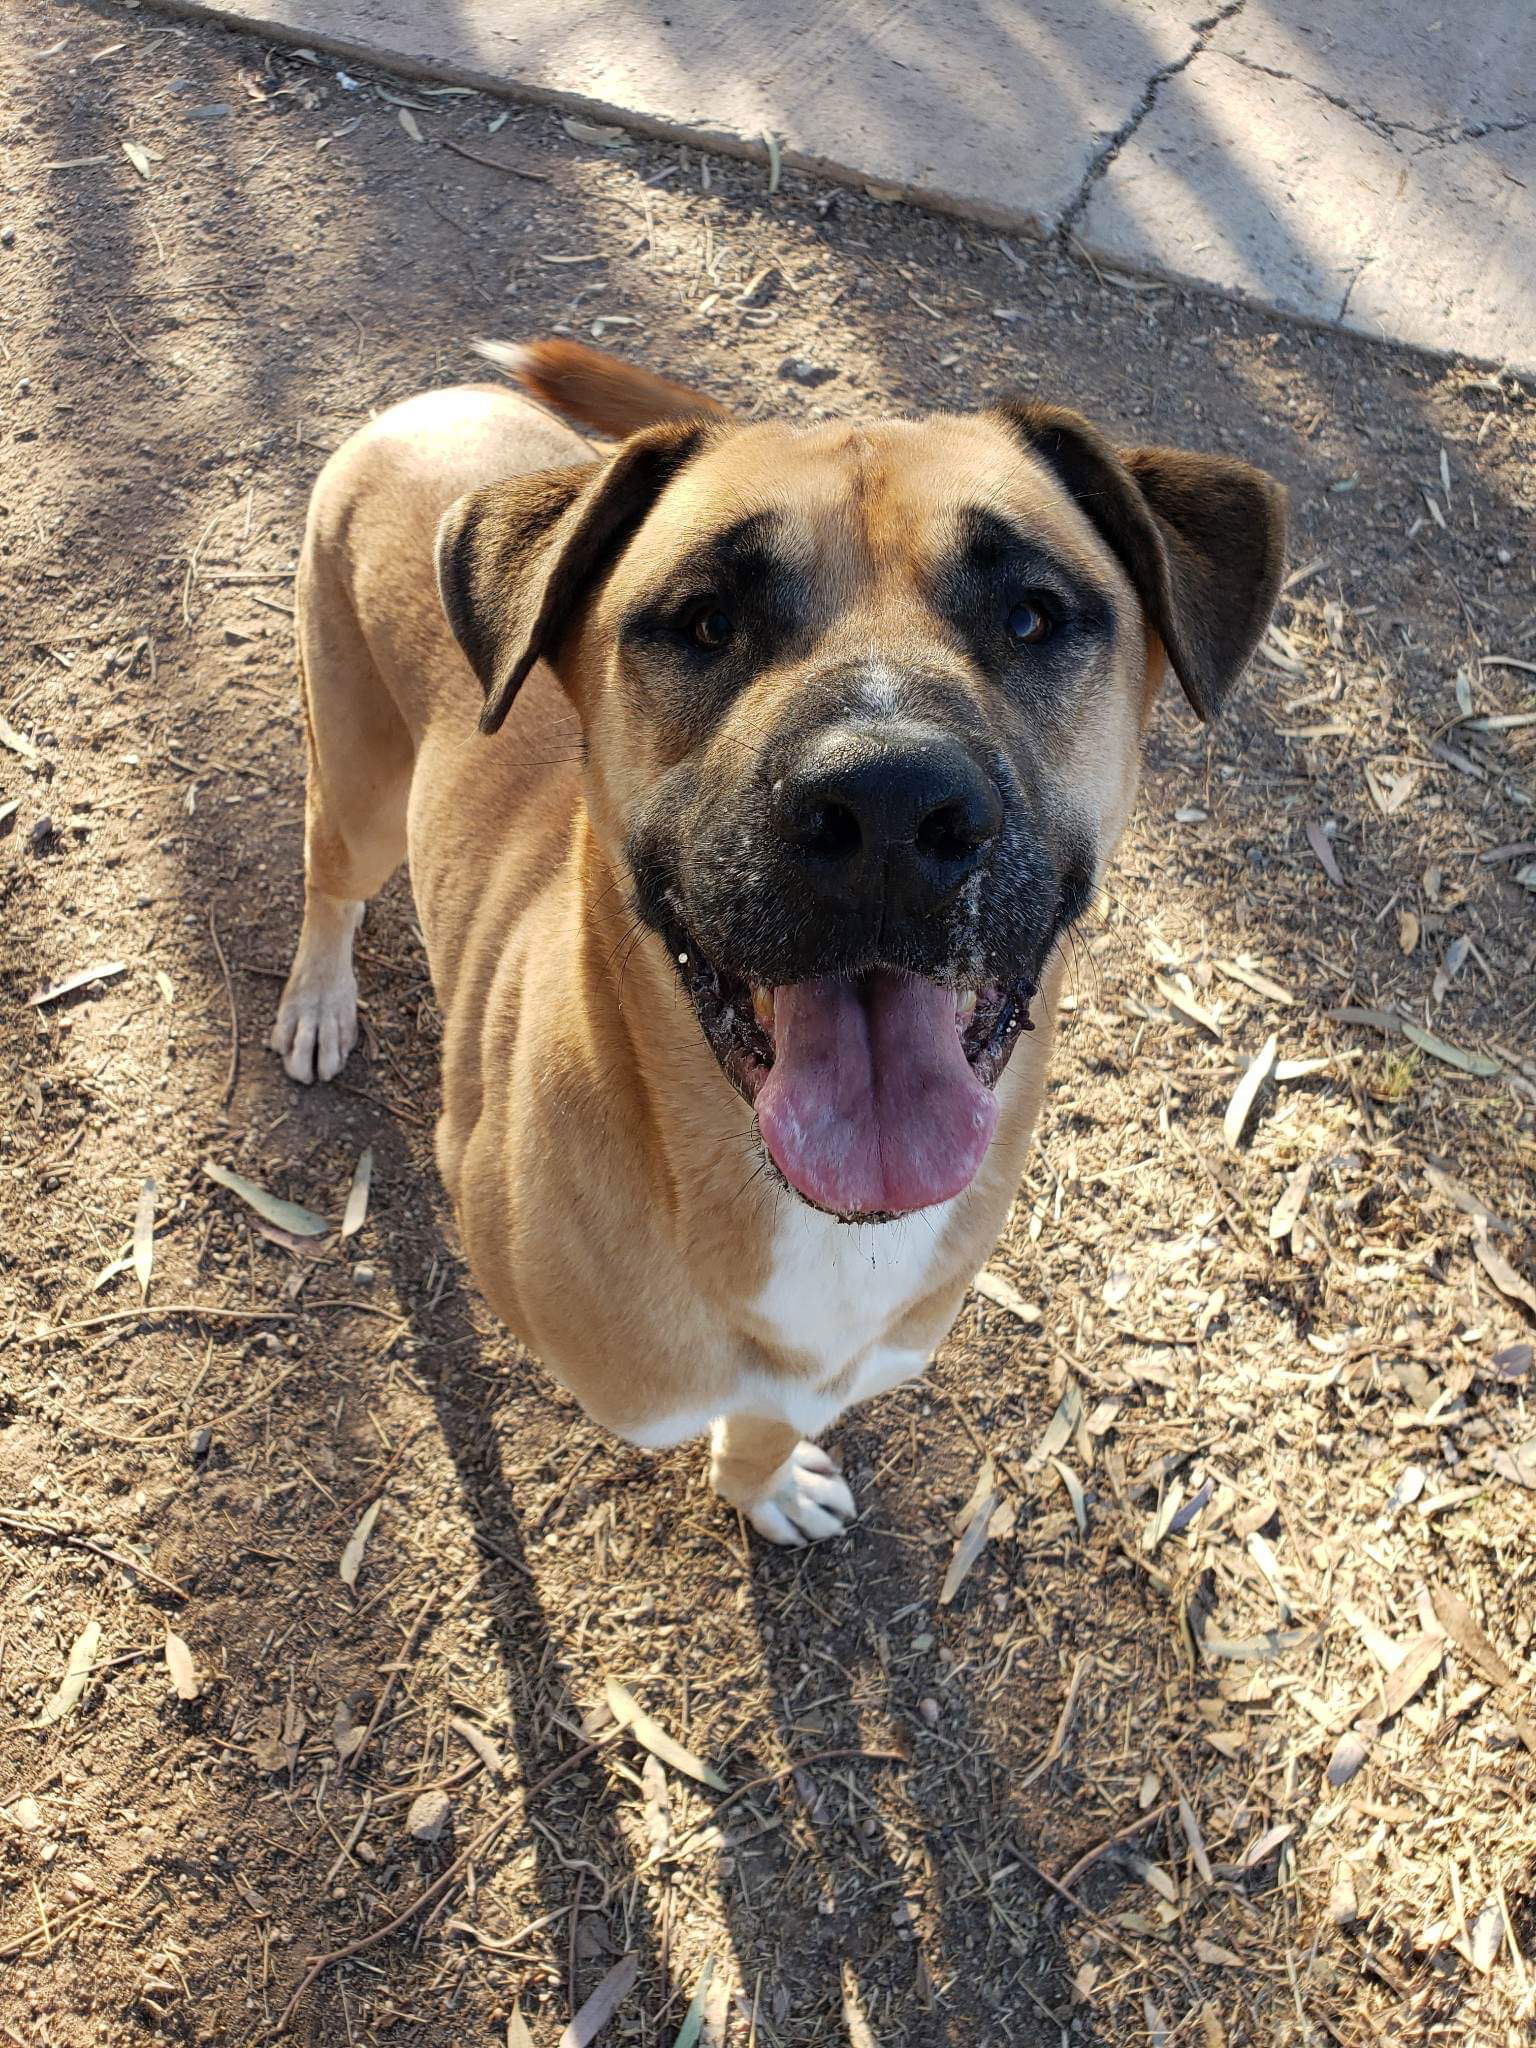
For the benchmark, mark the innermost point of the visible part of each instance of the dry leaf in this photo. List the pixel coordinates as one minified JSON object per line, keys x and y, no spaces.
{"x":658,"y":1807}
{"x":693,"y":2020}
{"x":286,"y":1215}
{"x":352,"y":1557}
{"x":1350,"y":1752}
{"x":1464,"y":1630}
{"x":480,"y":1743}
{"x":1061,"y":1428}
{"x":1286,"y":1213}
{"x":410,"y":124}
{"x":968,"y":1549}
{"x":1407,"y":931}
{"x":165,"y":985}
{"x":1183,"y":1000}
{"x":1006,"y":1295}
{"x":630,"y":1715}
{"x":144,"y":1238}
{"x":598,"y":134}
{"x":1195,"y":1839}
{"x":1261,"y":984}
{"x":356,"y":1212}
{"x":1464,"y":1199}
{"x":607,"y":1998}
{"x":518,"y":2035}
{"x":138,"y":156}
{"x":1421,"y":1659}
{"x":860,"y":2034}
{"x":1070,"y":1481}
{"x":104,"y":970}
{"x":1322,"y":846}
{"x":178,"y":1661}
{"x":17,"y":741}
{"x":268,"y":1752}
{"x":1487,"y":1938}
{"x":81,"y":1658}
{"x":1503,"y":1274}
{"x":1246,"y":1093}
{"x":1452,"y":1055}
{"x":1518,"y":1465}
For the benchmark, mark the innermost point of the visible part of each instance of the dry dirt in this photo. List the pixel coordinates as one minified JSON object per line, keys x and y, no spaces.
{"x":1285,"y":1516}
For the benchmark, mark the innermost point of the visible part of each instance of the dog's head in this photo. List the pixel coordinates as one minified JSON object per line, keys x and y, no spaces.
{"x":863,"y":709}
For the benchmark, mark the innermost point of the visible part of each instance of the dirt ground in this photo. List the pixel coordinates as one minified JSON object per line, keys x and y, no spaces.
{"x":1224,"y":1735}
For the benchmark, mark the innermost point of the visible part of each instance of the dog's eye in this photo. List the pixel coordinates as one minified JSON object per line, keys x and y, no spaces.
{"x":709,"y":626}
{"x":1029,"y":623}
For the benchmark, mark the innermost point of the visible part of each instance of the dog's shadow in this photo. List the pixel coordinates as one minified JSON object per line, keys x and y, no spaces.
{"x":879,"y":1881}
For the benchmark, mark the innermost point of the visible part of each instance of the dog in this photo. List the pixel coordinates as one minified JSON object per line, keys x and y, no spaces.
{"x":751,"y":777}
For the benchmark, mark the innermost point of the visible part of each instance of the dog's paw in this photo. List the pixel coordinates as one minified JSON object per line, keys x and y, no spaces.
{"x":316,"y":1025}
{"x":805,"y":1500}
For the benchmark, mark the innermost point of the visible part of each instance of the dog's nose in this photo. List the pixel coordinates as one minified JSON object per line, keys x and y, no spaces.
{"x":890,"y":817}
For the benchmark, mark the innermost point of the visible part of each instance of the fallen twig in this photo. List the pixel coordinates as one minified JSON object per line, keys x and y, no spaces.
{"x":436,"y":1888}
{"x":234,"y":1015}
{"x":52,"y":1533}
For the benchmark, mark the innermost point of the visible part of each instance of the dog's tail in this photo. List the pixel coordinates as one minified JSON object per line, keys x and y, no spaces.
{"x":595,"y":389}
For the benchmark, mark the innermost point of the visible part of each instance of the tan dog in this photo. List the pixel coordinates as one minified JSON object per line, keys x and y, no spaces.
{"x":817,"y":740}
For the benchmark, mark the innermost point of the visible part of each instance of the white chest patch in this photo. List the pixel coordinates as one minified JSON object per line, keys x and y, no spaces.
{"x":836,"y":1287}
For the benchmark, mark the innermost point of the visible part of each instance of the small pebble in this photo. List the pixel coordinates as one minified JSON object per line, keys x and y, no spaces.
{"x":7,"y":237}
{"x":364,"y":1274}
{"x":801,"y":370}
{"x":41,"y":832}
{"x":928,"y":1712}
{"x":428,"y":1816}
{"x":198,"y":1442}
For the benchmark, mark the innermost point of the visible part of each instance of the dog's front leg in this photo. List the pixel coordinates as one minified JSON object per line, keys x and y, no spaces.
{"x":788,"y":1489}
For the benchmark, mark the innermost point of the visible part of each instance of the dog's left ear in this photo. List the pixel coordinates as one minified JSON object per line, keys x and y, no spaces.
{"x":1202,"y":537}
{"x":515,"y":560}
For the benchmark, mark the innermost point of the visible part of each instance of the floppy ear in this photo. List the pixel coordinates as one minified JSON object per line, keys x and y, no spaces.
{"x":1202,"y":537}
{"x":515,"y":560}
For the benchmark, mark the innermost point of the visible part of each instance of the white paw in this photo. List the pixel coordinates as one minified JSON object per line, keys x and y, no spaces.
{"x":316,"y":1024}
{"x":805,"y":1500}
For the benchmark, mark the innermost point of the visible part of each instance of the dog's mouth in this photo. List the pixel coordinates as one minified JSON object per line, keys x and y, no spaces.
{"x":873,"y":1091}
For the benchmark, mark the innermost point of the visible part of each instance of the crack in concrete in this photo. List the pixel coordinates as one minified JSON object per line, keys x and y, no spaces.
{"x":1448,"y":134}
{"x":1105,"y":156}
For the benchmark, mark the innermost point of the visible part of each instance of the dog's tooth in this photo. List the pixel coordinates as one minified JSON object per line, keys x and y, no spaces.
{"x":965,"y":1007}
{"x":762,"y":1008}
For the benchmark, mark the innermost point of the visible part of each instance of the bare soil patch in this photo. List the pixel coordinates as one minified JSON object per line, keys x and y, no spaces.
{"x":1260,"y":1457}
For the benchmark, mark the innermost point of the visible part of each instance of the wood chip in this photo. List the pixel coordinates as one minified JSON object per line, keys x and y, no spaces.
{"x":631,"y":1716}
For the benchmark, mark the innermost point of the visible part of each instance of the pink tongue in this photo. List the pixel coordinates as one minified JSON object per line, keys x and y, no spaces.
{"x":870,"y":1106}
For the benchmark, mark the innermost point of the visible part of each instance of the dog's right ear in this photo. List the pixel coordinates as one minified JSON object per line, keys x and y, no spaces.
{"x":516,"y":560}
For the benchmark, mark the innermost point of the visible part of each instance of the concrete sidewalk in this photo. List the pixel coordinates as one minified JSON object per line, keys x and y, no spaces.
{"x":1370,"y":163}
